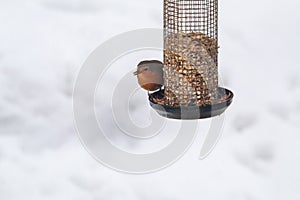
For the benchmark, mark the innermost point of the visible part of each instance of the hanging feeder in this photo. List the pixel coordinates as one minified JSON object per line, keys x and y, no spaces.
{"x":191,"y":89}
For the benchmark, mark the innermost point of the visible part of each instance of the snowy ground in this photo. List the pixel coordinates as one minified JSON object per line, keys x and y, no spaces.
{"x":42,"y":46}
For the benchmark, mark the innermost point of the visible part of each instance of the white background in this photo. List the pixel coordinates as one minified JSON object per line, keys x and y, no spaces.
{"x":42,"y":46}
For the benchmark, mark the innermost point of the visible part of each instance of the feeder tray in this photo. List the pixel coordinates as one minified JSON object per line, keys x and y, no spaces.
{"x":192,"y":112}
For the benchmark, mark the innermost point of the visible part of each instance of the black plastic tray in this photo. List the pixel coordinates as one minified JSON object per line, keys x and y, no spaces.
{"x":191,"y":112}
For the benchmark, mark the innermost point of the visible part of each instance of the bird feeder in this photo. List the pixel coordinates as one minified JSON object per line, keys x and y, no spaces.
{"x":191,"y":89}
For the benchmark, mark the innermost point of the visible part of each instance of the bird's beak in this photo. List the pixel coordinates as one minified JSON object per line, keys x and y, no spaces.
{"x":136,"y":73}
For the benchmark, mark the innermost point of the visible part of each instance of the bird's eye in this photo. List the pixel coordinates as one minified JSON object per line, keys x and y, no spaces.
{"x":146,"y":69}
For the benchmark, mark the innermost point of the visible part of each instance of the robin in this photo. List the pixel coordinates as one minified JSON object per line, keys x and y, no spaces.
{"x":150,"y":75}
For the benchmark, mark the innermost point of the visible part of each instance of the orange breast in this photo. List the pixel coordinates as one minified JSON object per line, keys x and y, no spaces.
{"x":150,"y":80}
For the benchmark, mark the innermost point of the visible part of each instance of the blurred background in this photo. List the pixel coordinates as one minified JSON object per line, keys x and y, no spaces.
{"x":43,"y":44}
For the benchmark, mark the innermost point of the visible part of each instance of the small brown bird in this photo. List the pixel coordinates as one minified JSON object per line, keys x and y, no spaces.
{"x":150,"y":75}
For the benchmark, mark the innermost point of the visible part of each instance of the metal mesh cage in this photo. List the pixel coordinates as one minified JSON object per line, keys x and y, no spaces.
{"x":190,"y":52}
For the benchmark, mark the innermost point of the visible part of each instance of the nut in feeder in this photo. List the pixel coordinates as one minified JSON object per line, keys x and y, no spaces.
{"x":191,"y":89}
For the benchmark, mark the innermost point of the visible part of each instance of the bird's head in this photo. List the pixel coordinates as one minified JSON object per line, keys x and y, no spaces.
{"x":149,"y":66}
{"x":141,"y":69}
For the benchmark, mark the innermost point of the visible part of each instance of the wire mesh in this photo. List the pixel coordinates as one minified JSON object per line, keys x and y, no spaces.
{"x":190,"y":52}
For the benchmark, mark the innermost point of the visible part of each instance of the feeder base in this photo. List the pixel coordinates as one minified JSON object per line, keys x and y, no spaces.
{"x":191,"y":112}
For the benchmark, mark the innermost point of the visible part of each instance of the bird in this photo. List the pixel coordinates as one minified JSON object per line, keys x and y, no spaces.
{"x":150,"y":75}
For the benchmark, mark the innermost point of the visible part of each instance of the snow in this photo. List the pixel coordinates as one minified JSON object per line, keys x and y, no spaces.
{"x":45,"y":42}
